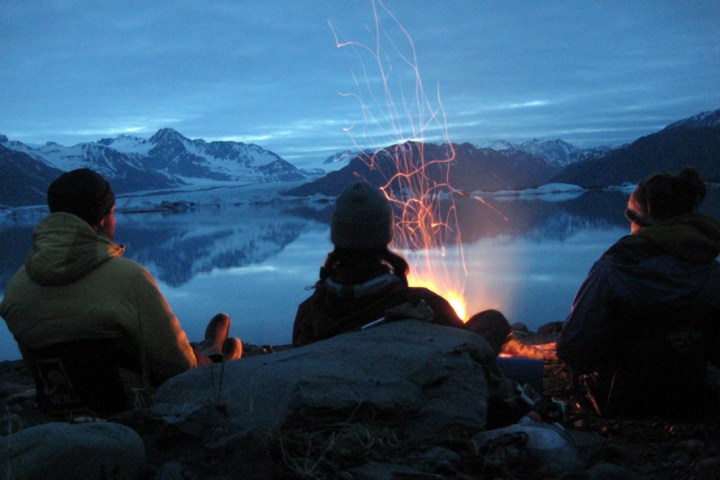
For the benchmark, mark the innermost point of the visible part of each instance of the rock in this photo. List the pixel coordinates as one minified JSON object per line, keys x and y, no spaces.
{"x":441,"y":460}
{"x":679,"y":459}
{"x":396,"y":384}
{"x":175,"y":470}
{"x":603,"y":471}
{"x":61,"y":451}
{"x":428,"y":380}
{"x":519,"y":327}
{"x":551,"y":328}
{"x":592,"y":448}
{"x":10,"y":423}
{"x":387,"y":471}
{"x":692,"y":445}
{"x":210,"y":443}
{"x":708,"y":467}
{"x":244,"y":453}
{"x":532,"y":444}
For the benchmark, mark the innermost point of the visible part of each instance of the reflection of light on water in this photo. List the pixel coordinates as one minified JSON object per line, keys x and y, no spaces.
{"x":261,"y":299}
{"x":263,"y":305}
{"x":532,"y":281}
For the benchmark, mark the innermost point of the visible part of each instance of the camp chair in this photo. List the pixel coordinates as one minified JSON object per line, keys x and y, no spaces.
{"x":78,"y":377}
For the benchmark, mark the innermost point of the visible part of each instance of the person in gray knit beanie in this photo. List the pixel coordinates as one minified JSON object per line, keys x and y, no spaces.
{"x":363,"y":218}
{"x":363,"y":281}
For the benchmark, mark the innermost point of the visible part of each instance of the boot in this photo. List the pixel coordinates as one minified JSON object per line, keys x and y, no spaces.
{"x":517,"y":348}
{"x":215,"y":335}
{"x":492,"y":326}
{"x":232,"y":349}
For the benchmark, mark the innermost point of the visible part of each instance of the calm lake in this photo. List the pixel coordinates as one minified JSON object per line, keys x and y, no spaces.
{"x":257,"y":263}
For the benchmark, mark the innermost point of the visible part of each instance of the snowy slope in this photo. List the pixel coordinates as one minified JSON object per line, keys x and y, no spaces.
{"x":167,"y":159}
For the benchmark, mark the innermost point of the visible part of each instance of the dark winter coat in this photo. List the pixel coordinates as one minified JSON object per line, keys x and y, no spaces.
{"x":646,"y":320}
{"x":334,"y":309}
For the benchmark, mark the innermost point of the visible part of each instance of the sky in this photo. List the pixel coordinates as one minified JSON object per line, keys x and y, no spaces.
{"x":310,"y":78}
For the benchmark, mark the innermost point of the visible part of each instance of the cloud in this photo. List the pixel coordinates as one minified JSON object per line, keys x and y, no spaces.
{"x":242,"y":138}
{"x":272,"y":74}
{"x":514,"y":106}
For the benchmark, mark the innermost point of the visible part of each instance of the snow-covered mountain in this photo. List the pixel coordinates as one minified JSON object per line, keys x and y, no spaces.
{"x":168,"y":160}
{"x":557,"y":153}
{"x":497,"y":145}
{"x":165,"y":160}
{"x":24,"y":180}
{"x":702,"y":120}
{"x":472,"y":168}
{"x":339,"y":160}
{"x":498,"y":164}
{"x":172,"y":154}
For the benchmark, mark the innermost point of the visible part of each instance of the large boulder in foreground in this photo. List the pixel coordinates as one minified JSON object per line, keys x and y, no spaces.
{"x":60,"y":451}
{"x":428,"y":380}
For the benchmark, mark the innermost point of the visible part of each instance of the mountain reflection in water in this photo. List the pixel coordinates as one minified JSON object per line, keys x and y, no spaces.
{"x":257,"y":262}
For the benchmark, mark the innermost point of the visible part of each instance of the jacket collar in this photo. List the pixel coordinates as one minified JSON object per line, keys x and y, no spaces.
{"x":377,"y":284}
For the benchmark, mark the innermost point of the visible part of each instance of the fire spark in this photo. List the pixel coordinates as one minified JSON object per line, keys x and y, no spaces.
{"x":416,"y":181}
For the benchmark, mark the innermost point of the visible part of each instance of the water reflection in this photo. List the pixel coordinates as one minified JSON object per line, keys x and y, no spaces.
{"x":255,"y":262}
{"x":178,"y":246}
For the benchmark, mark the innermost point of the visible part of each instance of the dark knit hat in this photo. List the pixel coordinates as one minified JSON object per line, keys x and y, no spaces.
{"x":363,"y":218}
{"x":83,"y":193}
{"x":662,"y":196}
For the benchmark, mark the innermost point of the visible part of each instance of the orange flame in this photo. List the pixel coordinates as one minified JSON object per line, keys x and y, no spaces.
{"x":426,"y":227}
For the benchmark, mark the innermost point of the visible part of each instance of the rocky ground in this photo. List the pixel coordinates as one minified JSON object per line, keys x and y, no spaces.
{"x":653,"y":448}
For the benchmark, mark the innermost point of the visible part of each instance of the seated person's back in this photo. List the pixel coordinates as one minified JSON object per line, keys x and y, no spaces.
{"x":362,"y":279}
{"x":645,"y":322}
{"x":76,"y":286}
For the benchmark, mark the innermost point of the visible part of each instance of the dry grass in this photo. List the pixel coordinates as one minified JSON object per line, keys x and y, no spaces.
{"x":320,"y":454}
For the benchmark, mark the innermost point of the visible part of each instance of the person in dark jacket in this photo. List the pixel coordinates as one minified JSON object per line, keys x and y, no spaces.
{"x":646,"y":321}
{"x":363,"y":282}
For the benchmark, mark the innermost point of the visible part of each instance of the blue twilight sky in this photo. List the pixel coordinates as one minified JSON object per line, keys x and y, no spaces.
{"x":269,"y":71}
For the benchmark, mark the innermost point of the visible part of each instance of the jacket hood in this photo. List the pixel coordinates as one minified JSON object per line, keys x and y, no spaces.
{"x":65,"y":248}
{"x":669,"y":261}
{"x":693,"y":237}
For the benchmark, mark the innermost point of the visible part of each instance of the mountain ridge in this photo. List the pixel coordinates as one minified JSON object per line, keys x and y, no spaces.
{"x":694,"y":142}
{"x":165,"y":160}
{"x":169,"y":160}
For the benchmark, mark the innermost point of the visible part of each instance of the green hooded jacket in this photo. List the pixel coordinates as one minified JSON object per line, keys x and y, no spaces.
{"x":75,"y":285}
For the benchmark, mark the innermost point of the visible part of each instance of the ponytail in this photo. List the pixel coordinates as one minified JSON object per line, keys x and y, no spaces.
{"x":665,"y":196}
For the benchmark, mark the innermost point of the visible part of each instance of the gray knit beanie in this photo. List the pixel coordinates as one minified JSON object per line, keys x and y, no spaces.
{"x":363,"y":218}
{"x":83,"y":193}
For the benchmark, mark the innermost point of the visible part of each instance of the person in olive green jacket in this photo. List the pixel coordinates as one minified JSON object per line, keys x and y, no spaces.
{"x":76,"y":285}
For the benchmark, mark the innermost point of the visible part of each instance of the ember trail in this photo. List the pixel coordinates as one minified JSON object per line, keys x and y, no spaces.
{"x":427,"y":231}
